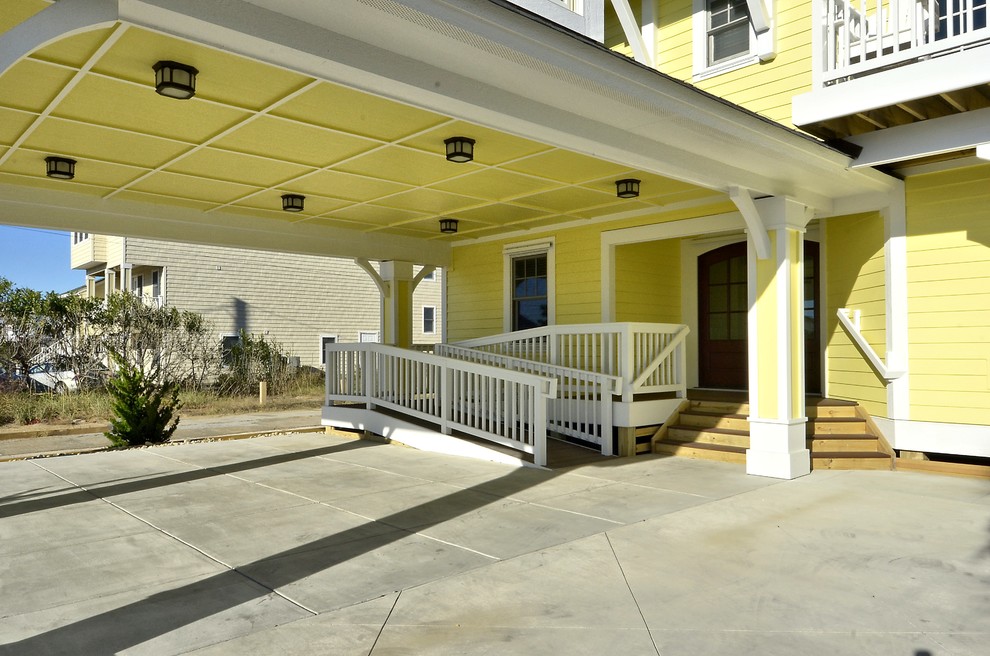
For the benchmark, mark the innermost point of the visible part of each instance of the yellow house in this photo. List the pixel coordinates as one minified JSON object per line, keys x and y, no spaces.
{"x":629,"y":199}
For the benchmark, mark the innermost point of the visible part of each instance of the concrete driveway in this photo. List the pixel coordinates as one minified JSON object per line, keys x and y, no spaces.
{"x":313,"y":544}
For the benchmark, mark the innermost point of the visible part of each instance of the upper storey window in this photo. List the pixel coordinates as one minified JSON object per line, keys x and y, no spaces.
{"x":726,"y":35}
{"x":728,"y":30}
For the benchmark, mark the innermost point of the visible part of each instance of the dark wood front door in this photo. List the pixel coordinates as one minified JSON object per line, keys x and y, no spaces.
{"x":722,"y":310}
{"x":722,"y":318}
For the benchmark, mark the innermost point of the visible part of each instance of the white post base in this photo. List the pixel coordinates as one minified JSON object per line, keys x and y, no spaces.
{"x":777,"y":448}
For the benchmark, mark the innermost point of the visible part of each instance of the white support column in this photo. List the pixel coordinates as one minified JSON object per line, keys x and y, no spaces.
{"x":126,"y":278}
{"x":109,"y":282}
{"x":895,"y":256}
{"x":90,"y":286}
{"x":397,"y":304}
{"x":777,"y":420}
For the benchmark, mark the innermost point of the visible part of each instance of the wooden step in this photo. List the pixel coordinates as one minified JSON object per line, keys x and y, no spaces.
{"x":844,"y":460}
{"x":836,"y":426}
{"x":714,"y":420}
{"x":823,"y":411}
{"x":720,"y":407}
{"x":702,"y":451}
{"x":726,"y":436}
{"x":844,"y":443}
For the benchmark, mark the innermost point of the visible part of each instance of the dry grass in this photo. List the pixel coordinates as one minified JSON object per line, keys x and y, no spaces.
{"x":20,"y":408}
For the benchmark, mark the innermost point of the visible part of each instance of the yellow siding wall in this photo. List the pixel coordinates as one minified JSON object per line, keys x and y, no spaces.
{"x":765,"y":88}
{"x":475,"y":280}
{"x":854,"y":275}
{"x":648,"y":282}
{"x":948,"y":224}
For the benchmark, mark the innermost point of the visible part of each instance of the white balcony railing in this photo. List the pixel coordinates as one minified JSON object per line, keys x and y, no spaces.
{"x":499,"y":405}
{"x":648,"y":357}
{"x":583,"y":407}
{"x":865,"y":36}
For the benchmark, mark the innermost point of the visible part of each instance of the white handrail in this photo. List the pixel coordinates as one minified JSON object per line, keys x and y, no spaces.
{"x":583,"y":407}
{"x":851,"y":327}
{"x":625,"y":349}
{"x":500,"y":405}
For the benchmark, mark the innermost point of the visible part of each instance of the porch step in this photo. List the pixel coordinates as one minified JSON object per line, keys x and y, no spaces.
{"x":711,"y":406}
{"x":847,"y":460}
{"x":724,"y":436}
{"x":840,"y":436}
{"x":857,"y":443}
{"x":702,"y":451}
{"x":706,"y":419}
{"x":836,"y":426}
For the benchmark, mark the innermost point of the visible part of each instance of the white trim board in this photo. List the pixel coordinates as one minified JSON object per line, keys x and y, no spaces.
{"x":936,"y":437}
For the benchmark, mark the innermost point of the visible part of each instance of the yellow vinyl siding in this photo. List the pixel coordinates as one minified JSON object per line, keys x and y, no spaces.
{"x":855,"y":279}
{"x":765,"y":87}
{"x":948,"y":245}
{"x":648,"y":282}
{"x":475,"y":281}
{"x":474,"y":291}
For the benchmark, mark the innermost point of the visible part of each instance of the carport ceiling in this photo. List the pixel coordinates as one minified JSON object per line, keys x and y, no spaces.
{"x":255,"y":131}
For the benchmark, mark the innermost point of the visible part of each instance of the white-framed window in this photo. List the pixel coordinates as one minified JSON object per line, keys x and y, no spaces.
{"x":156,"y":284}
{"x":368,"y":336}
{"x":431,"y":276}
{"x":139,"y":285}
{"x":78,"y":237}
{"x":429,"y":320}
{"x":324,"y":340}
{"x":724,"y":36}
{"x":529,"y":286}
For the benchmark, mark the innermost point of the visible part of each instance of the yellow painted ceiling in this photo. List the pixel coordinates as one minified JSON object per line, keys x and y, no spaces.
{"x":254,"y":132}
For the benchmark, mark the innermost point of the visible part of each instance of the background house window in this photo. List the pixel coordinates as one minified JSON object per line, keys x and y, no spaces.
{"x":368,"y":336}
{"x":728,"y":30}
{"x":156,"y":287}
{"x":432,"y":275}
{"x":429,"y":320}
{"x":227,"y":344}
{"x":529,"y":292}
{"x":324,"y":340}
{"x":78,"y":237}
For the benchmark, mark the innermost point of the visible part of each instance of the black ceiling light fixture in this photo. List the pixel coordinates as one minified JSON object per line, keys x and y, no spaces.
{"x":60,"y":168}
{"x":448,"y":226}
{"x":175,"y":80}
{"x":293,"y":202}
{"x":627,"y":188}
{"x":459,"y":149}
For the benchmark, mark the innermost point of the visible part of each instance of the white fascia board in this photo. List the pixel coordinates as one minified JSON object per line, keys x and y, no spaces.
{"x":64,"y":210}
{"x":924,"y":138}
{"x":936,"y":437}
{"x":884,"y":89}
{"x":983,"y":151}
{"x":492,"y":66}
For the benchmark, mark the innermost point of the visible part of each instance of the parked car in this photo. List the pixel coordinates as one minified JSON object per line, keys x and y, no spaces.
{"x":49,"y":378}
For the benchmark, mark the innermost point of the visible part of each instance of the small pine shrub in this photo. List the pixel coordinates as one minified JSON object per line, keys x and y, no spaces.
{"x":143,"y":412}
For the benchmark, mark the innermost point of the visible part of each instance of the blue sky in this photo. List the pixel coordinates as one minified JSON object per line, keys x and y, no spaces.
{"x":38,"y":259}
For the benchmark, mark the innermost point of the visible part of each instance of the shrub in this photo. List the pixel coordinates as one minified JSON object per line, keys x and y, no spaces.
{"x":251,"y":360}
{"x":143,"y":412}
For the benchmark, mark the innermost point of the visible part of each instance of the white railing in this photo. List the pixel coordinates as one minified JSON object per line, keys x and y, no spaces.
{"x":850,"y":322}
{"x":583,"y":407}
{"x":502,"y":406}
{"x":868,"y":35}
{"x":649,"y":357}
